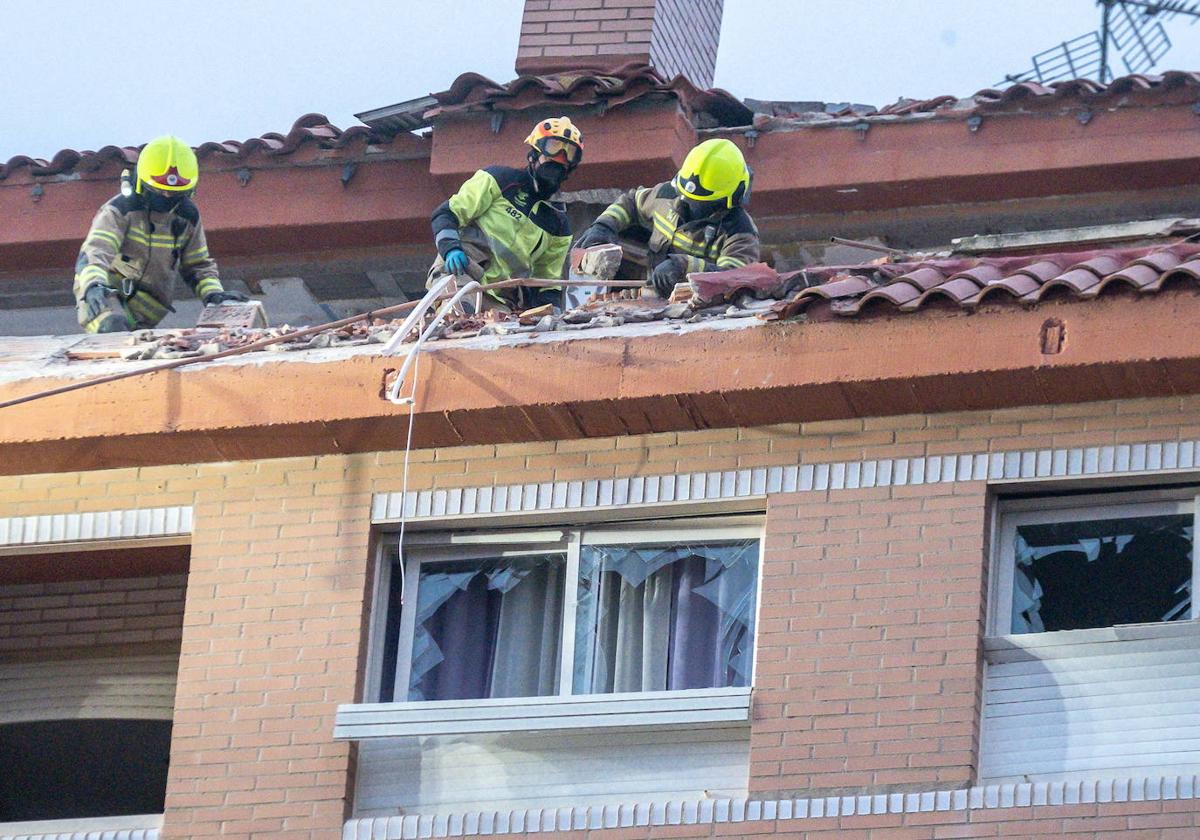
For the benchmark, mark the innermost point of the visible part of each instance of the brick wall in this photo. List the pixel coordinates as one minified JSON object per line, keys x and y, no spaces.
{"x":41,"y":619}
{"x":868,"y":661}
{"x":685,"y":38}
{"x":675,"y":36}
{"x":270,"y":648}
{"x":868,"y":649}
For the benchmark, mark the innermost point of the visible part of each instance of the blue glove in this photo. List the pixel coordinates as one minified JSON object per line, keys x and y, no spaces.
{"x":456,"y":261}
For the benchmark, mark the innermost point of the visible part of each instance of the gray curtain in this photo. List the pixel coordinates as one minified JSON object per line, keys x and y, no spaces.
{"x":654,"y":618}
{"x":487,"y":628}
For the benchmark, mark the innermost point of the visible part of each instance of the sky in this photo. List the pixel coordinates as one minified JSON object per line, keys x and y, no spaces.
{"x":83,"y":75}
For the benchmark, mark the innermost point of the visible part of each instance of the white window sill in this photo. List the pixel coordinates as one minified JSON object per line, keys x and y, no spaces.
{"x":1028,"y":646}
{"x":709,"y":707}
{"x":117,"y":828}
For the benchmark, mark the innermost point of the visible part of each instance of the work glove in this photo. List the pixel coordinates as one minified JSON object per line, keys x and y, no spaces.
{"x":456,"y":261}
{"x":95,"y":297}
{"x":598,"y":234}
{"x":223,"y":297}
{"x":665,"y":275}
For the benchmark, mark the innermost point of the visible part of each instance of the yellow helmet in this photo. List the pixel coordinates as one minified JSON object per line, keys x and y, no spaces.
{"x":558,"y":139}
{"x":169,"y":165}
{"x":713,"y":171}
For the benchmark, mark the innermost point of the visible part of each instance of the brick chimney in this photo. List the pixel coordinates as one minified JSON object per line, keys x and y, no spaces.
{"x":673,"y":36}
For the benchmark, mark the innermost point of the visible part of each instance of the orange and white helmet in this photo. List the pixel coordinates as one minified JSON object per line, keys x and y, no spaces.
{"x":558,"y":139}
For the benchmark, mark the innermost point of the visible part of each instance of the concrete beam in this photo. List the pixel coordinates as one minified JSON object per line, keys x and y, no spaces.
{"x":551,"y":388}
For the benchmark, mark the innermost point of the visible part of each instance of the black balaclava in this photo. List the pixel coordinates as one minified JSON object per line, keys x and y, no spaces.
{"x":162,"y":203}
{"x":547,"y":176}
{"x":691,"y":210}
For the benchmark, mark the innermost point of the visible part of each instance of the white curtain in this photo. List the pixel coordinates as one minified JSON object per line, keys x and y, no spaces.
{"x":525,"y":662}
{"x":654,"y":618}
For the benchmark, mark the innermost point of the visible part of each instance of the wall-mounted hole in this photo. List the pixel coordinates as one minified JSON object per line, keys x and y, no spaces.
{"x":1054,"y":334}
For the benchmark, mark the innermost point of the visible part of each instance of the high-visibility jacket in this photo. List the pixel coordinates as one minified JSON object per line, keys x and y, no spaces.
{"x":726,"y":240}
{"x":502,"y":223}
{"x":138,"y":252}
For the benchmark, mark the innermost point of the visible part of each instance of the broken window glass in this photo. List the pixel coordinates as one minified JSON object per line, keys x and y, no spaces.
{"x":1100,"y":573}
{"x":487,"y":628}
{"x":665,"y":617}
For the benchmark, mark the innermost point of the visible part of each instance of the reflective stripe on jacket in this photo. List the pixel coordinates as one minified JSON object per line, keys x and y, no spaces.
{"x":728,"y":240}
{"x":139,"y":252}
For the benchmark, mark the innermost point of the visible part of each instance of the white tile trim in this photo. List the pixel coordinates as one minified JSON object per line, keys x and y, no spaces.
{"x":140,"y":827}
{"x":756,"y":483}
{"x":134,"y":523}
{"x":696,"y":812}
{"x":106,"y":834}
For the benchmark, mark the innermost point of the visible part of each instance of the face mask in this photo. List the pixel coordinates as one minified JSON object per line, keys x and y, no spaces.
{"x":549,"y":176}
{"x":160,"y":203}
{"x":690,"y":210}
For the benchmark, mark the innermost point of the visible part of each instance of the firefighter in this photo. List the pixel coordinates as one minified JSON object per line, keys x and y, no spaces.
{"x":140,"y":239}
{"x":696,"y":222}
{"x":501,"y":223}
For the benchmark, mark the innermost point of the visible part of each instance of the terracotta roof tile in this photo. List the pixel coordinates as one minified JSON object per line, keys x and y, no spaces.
{"x":471,"y":91}
{"x":310,"y":129}
{"x":1128,"y":90}
{"x":967,"y":283}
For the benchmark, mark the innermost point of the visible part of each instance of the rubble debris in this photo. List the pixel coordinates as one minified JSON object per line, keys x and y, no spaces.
{"x":532,"y":316}
{"x":229,"y":315}
{"x":604,"y":309}
{"x":682,"y":293}
{"x":600,"y":262}
{"x":718,"y":286}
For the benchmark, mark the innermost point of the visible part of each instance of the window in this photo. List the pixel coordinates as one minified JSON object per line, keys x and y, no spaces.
{"x":1095,"y":561}
{"x":1093,"y":654}
{"x":83,"y":768}
{"x":649,"y":607}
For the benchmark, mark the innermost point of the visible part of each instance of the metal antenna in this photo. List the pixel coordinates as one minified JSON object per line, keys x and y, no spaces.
{"x":1132,"y":27}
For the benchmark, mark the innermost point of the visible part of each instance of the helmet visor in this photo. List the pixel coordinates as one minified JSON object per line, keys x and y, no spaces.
{"x":557,"y":149}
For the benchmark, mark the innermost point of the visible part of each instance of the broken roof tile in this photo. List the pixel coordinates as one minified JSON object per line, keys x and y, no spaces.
{"x":757,"y":278}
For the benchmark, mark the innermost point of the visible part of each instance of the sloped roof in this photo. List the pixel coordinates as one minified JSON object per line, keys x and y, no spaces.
{"x":471,"y":91}
{"x":967,"y":283}
{"x":1134,"y":90}
{"x":474,"y":92}
{"x":308,"y":130}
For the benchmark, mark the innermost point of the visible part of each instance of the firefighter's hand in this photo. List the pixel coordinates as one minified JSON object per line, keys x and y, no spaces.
{"x":96,"y":299}
{"x":666,"y":274}
{"x":456,"y":261}
{"x":224,"y":297}
{"x":597,"y":234}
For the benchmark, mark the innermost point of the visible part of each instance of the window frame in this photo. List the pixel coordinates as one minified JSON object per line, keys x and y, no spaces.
{"x":1116,"y":504}
{"x":455,"y":544}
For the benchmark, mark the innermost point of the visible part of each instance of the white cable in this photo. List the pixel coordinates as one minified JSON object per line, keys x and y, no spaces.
{"x":431,"y":297}
{"x":393,"y":394}
{"x":412,"y":413}
{"x":413,"y":360}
